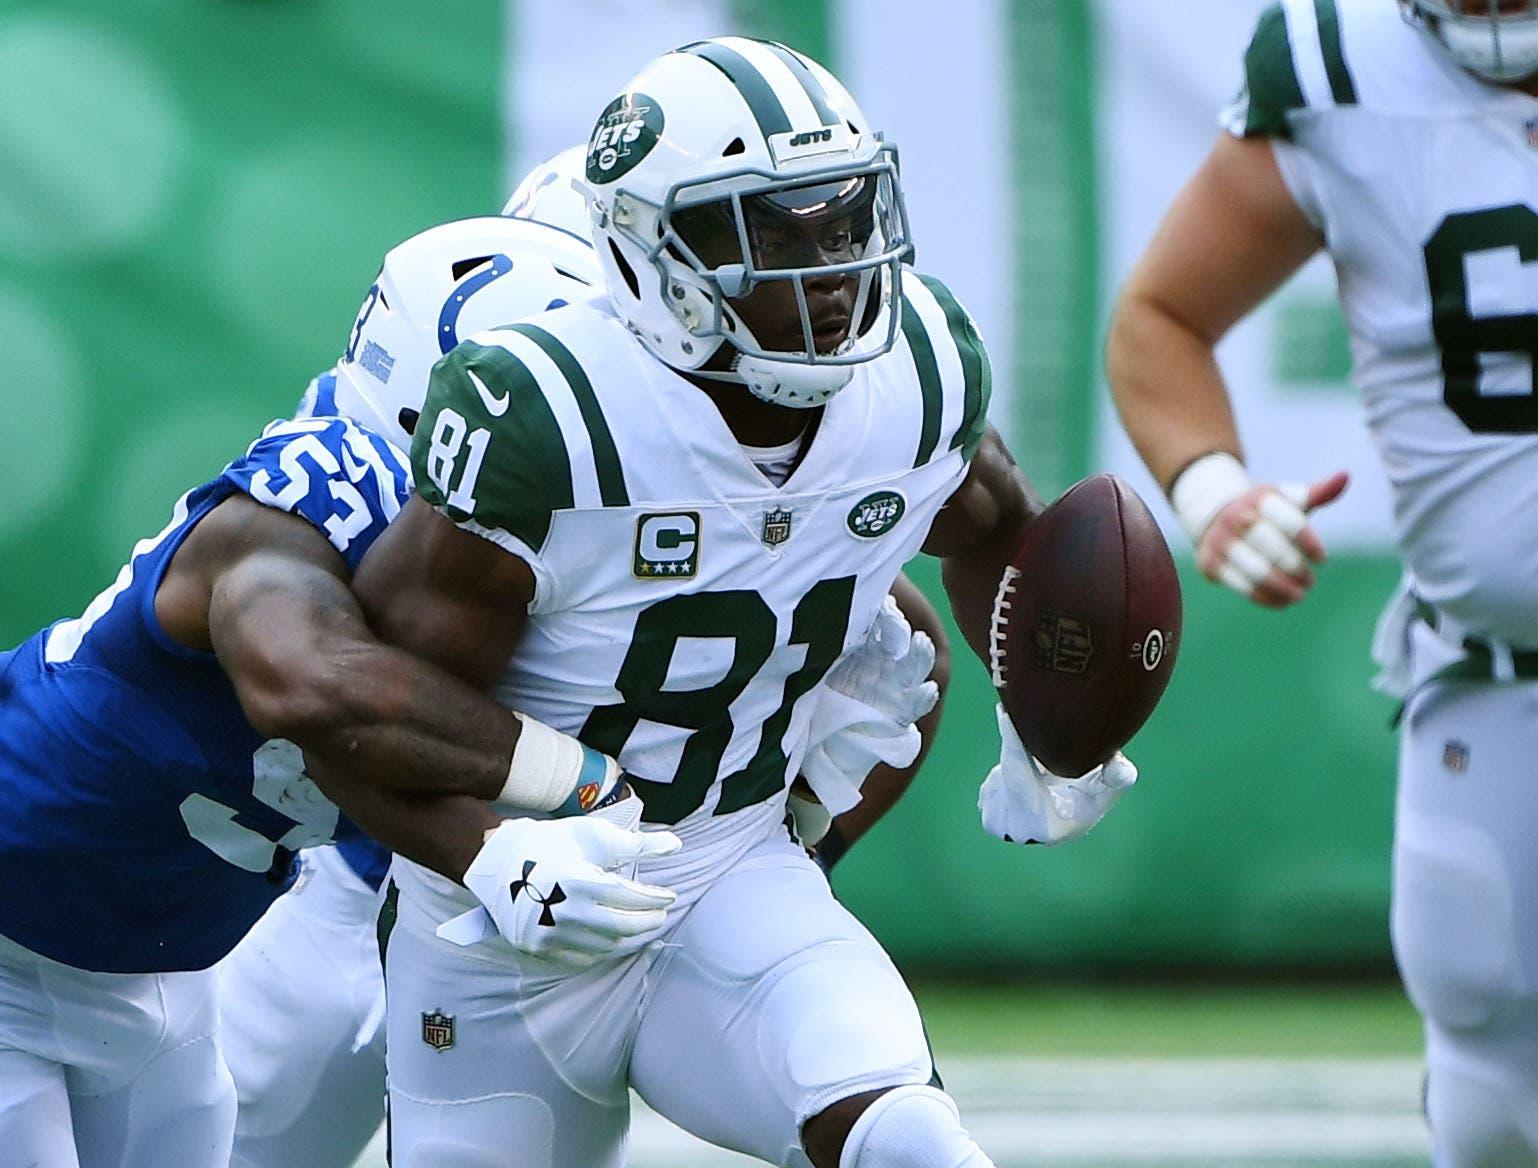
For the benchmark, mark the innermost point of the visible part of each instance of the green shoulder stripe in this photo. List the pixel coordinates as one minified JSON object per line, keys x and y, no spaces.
{"x":1341,"y":87}
{"x":929,"y":380}
{"x":1270,"y":78}
{"x":611,"y":475}
{"x":488,"y":447}
{"x":977,"y":373}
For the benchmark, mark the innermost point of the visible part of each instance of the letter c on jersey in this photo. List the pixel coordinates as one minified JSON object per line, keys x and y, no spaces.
{"x":667,"y":546}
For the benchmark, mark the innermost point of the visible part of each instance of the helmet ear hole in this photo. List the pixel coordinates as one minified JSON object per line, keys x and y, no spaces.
{"x":735,"y":146}
{"x":408,"y":419}
{"x":626,"y":270}
{"x":459,"y":268}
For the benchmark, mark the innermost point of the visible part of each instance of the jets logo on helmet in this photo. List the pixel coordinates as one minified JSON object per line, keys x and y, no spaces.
{"x":434,"y":290}
{"x":626,"y":132}
{"x":733,"y":165}
{"x":1493,"y":39}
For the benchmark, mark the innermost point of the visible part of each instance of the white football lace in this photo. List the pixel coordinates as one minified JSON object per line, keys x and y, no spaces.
{"x":998,"y":622}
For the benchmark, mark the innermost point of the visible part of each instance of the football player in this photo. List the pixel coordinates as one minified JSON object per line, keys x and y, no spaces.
{"x":1400,"y":139}
{"x":672,"y":511}
{"x":154,"y":793}
{"x":302,"y":996}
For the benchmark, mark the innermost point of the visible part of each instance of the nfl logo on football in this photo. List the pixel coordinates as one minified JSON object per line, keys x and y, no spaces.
{"x":438,"y":1030}
{"x":776,"y":527}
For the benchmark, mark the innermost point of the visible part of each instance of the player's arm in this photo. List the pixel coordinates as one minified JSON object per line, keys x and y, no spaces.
{"x":977,"y":533}
{"x":886,"y":784}
{"x":306,"y":667}
{"x":1232,"y":237}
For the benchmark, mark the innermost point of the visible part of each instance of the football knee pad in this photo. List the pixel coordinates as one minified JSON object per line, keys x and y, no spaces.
{"x":911,"y":1127}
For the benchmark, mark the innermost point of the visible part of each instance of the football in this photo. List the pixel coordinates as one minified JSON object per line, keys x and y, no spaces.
{"x":1086,"y":624}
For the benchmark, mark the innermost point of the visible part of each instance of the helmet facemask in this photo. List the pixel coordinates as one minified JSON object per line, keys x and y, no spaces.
{"x":1495,"y":39}
{"x":716,"y":242}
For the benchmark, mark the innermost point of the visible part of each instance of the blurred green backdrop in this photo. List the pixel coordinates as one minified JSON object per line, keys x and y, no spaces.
{"x":194,"y":195}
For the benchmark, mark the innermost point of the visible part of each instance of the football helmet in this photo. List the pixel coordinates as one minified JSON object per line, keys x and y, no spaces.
{"x":437,"y":288}
{"x":729,"y":164}
{"x":1500,"y":43}
{"x":553,"y":193}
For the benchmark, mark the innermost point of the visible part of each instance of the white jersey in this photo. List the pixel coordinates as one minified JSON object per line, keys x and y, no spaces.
{"x":1424,"y":182}
{"x":685,"y":607}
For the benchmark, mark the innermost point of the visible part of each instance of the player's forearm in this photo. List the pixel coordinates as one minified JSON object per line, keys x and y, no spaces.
{"x":1167,"y":388}
{"x":443,"y":833}
{"x":978,"y":533}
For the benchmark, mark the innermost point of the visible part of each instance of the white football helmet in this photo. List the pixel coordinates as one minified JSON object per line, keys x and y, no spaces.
{"x":437,"y":288}
{"x":712,"y":158}
{"x":1499,"y":43}
{"x":554,"y":193}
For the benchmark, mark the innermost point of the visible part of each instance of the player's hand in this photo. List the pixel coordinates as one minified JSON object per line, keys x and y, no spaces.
{"x":559,"y":889}
{"x":867,"y":709}
{"x":1253,"y":538}
{"x":1023,"y":802}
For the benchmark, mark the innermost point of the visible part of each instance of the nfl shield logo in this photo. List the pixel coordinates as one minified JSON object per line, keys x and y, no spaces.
{"x":438,"y":1030}
{"x":1532,"y":133}
{"x":776,"y":527}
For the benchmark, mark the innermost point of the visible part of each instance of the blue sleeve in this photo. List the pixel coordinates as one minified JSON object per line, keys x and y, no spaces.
{"x":344,"y":479}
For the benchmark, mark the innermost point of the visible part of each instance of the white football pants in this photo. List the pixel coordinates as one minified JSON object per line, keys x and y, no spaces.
{"x":765,"y":1003}
{"x":1465,"y":912}
{"x":301,"y":1000}
{"x":110,"y":1070}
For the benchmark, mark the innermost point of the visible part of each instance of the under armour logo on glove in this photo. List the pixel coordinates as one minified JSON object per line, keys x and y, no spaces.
{"x":546,"y":917}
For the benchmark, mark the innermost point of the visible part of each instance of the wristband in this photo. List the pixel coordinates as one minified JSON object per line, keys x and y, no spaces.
{"x":1205,"y":487}
{"x":551,"y":771}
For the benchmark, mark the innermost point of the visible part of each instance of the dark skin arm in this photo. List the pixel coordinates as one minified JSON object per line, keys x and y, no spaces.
{"x":976,"y":534}
{"x":380,"y":729}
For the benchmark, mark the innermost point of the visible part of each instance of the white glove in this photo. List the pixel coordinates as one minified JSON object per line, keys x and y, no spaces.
{"x":1253,"y":539}
{"x":866,"y":709}
{"x":1023,"y":802}
{"x":553,"y":889}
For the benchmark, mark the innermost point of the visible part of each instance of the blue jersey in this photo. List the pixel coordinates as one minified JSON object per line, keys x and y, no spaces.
{"x":144,"y":824}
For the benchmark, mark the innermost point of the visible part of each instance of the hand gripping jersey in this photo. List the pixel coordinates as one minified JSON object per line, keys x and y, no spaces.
{"x":1424,"y":182}
{"x":144,"y":825}
{"x":685,"y":606}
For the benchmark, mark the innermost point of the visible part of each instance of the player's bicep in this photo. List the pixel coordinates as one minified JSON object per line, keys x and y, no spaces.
{"x":1233,"y":235}
{"x":278,"y":606}
{"x":445,"y":594}
{"x":994,"y":496}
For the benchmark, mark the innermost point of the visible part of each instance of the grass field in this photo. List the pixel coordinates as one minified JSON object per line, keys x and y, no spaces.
{"x":1179,"y":1076}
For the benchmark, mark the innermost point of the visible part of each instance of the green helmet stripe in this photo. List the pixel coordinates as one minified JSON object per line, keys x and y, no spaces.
{"x":611,"y":475}
{"x":928,"y":370}
{"x":1341,"y":87}
{"x":765,"y":105}
{"x":814,"y":88}
{"x":977,"y":374}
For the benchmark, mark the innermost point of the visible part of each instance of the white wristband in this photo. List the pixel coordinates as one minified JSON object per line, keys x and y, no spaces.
{"x":551,"y":771}
{"x":1205,"y":487}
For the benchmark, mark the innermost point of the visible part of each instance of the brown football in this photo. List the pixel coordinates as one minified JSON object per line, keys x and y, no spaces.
{"x":1086,"y":626}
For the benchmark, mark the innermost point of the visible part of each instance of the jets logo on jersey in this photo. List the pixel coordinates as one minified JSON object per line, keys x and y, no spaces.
{"x":876,"y":514}
{"x":667,"y":546}
{"x":438,"y":1029}
{"x":776,"y":527}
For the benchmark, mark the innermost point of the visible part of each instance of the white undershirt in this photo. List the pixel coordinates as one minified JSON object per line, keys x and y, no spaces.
{"x":775,"y":462}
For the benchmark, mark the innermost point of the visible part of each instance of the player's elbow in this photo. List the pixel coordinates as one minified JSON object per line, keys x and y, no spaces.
{"x":301,"y":695}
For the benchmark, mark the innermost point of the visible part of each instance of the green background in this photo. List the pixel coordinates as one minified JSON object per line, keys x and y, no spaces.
{"x":193,"y":197}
